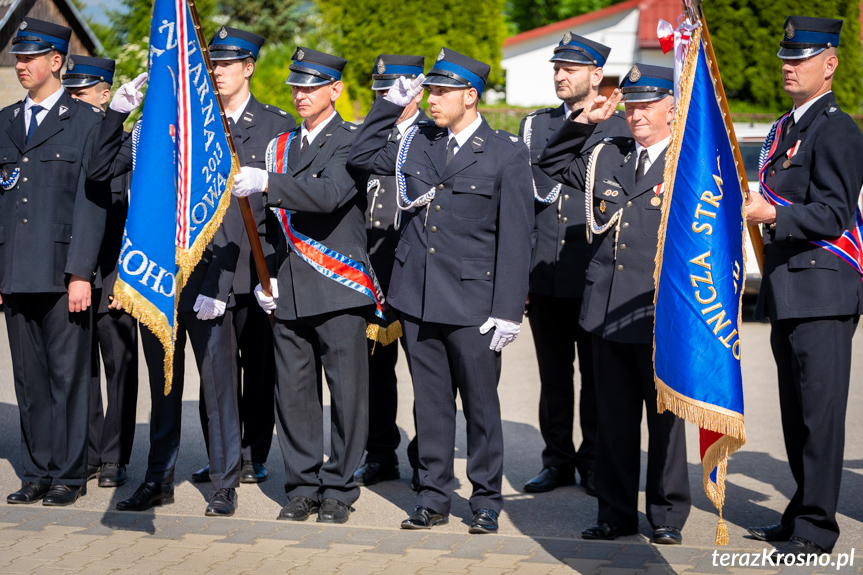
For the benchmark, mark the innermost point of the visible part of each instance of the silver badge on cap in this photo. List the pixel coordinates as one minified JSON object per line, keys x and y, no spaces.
{"x":70,"y":64}
{"x":300,"y":54}
{"x":381,"y":66}
{"x":223,"y":33}
{"x":790,"y":31}
{"x":634,"y":74}
{"x":567,"y":38}
{"x":23,"y":25}
{"x":441,"y":56}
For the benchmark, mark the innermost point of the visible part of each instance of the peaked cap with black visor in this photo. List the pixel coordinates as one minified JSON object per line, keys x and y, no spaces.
{"x":38,"y":36}
{"x":234,"y":44}
{"x":457,"y":70}
{"x":390,"y":67}
{"x":84,"y":71}
{"x":647,"y":83}
{"x":313,"y":68}
{"x":580,"y":50}
{"x":806,"y":36}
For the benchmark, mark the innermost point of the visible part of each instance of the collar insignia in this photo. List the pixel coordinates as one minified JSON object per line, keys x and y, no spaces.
{"x":63,"y":110}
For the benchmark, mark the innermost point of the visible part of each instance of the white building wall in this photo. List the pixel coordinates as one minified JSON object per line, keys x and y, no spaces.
{"x":529,"y":74}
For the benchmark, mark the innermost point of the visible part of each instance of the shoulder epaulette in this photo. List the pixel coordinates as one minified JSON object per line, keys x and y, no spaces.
{"x":11,"y":105}
{"x":349,"y":126}
{"x":541,"y":111}
{"x":618,"y":141}
{"x":274,"y":110}
{"x":506,"y":136}
{"x":90,"y":107}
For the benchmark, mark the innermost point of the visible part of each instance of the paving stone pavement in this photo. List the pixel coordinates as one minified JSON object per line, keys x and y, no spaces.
{"x":538,"y":534}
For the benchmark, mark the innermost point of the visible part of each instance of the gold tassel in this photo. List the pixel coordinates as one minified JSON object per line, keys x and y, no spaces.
{"x":721,"y":531}
{"x":384,"y":336}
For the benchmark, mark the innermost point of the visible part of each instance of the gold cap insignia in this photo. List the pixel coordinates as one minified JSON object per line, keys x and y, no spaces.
{"x":381,"y":66}
{"x":441,"y":56}
{"x":70,"y":64}
{"x":790,"y":31}
{"x":634,"y":74}
{"x":300,"y":54}
{"x":23,"y":25}
{"x":567,"y":38}
{"x":223,"y":33}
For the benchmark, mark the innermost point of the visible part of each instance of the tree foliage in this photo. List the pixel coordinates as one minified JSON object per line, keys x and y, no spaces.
{"x":362,"y":29}
{"x":525,"y":15}
{"x":746,"y":36}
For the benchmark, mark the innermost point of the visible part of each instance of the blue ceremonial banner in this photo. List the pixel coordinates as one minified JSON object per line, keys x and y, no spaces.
{"x":699,"y":275}
{"x":182,"y":174}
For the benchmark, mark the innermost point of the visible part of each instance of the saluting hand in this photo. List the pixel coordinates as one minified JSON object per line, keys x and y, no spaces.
{"x":602,"y":108}
{"x":79,"y":294}
{"x":404,"y":91}
{"x":129,"y":95}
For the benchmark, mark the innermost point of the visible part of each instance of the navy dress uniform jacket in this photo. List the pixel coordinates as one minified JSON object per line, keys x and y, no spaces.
{"x":618,"y":293}
{"x":441,"y":274}
{"x":822,"y":180}
{"x":52,"y":221}
{"x":561,"y":252}
{"x":232,"y":257}
{"x":321,"y":195}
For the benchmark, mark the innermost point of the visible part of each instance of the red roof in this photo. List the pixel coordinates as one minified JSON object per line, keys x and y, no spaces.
{"x":650,"y":11}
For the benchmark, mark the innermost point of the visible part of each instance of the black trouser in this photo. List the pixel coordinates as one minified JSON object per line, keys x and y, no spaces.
{"x":50,"y":350}
{"x":256,"y":379}
{"x":624,"y":388}
{"x":112,"y":431}
{"x":215,"y":350}
{"x":556,"y":337}
{"x":446,"y":360}
{"x":335,"y":342}
{"x":813,"y":362}
{"x":384,"y":435}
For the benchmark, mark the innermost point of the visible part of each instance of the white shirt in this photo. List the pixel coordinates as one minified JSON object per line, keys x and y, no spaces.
{"x":46,"y":104}
{"x":653,"y":152}
{"x":798,"y":112}
{"x":403,"y":126}
{"x":462,"y":137}
{"x":310,"y":136}
{"x":239,"y":111}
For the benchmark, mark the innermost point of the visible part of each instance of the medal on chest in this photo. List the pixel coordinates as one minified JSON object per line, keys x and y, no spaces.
{"x":8,"y":181}
{"x":790,"y":153}
{"x":656,"y":200}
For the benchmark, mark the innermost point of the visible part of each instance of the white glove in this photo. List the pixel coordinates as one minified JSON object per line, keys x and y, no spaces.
{"x":250,"y":181}
{"x":404,"y":91}
{"x":209,"y":308}
{"x":504,"y":332}
{"x":268,"y":304}
{"x":129,"y":96}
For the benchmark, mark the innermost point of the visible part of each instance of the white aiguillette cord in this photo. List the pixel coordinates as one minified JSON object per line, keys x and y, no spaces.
{"x":592,"y":227}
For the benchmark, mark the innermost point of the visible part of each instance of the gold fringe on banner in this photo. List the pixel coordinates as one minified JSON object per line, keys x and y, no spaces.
{"x":153,"y":319}
{"x":705,"y":416}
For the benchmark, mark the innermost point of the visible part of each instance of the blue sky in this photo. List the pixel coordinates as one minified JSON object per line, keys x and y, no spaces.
{"x":96,"y":9}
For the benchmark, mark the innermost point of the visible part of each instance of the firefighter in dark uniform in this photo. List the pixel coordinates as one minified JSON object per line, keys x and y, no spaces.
{"x":812,"y":296}
{"x":618,"y":303}
{"x":204,"y":317}
{"x":51,"y":225}
{"x":115,"y":332}
{"x":460,"y":277}
{"x":320,"y":322}
{"x":560,"y":257}
{"x":234,"y":54}
{"x":381,"y":462}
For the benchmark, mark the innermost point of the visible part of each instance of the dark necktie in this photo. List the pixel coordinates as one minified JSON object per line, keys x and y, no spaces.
{"x":34,"y":122}
{"x":395,"y":135}
{"x":450,"y":149}
{"x":642,"y":164}
{"x":788,"y":134}
{"x":304,"y":145}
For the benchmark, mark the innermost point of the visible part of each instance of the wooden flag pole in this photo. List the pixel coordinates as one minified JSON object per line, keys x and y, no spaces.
{"x":754,"y":230}
{"x":245,"y":207}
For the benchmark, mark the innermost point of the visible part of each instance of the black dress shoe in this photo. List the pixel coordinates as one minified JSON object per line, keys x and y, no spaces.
{"x":778,"y":532}
{"x":587,"y":478}
{"x":92,"y":471}
{"x":112,"y":475}
{"x":29,"y":493}
{"x":484,"y":521}
{"x":202,"y":475}
{"x":148,"y":495}
{"x":605,"y":531}
{"x":549,"y":478}
{"x":667,"y":536}
{"x":223,"y":503}
{"x":371,"y":473}
{"x":798,"y":546}
{"x":415,"y":480}
{"x":62,"y":495}
{"x":424,"y":518}
{"x":298,"y":509}
{"x":252,"y":472}
{"x":333,"y":511}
